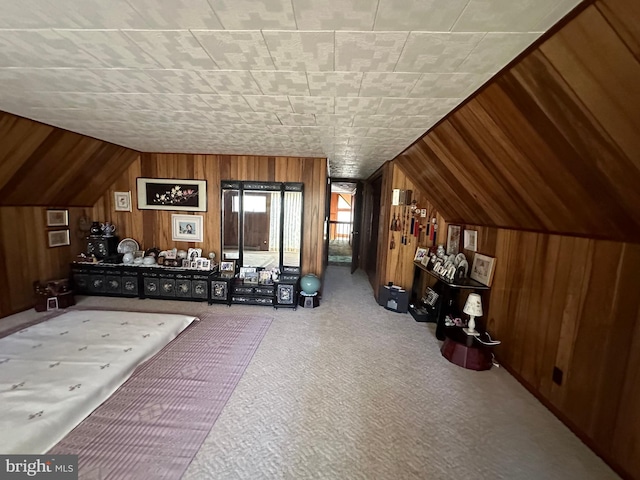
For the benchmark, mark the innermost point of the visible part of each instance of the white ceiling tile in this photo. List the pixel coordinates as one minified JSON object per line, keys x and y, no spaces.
{"x":368,"y":51}
{"x":436,"y":52}
{"x":255,"y":15}
{"x":495,"y":50}
{"x":335,"y":84}
{"x":373,"y":121}
{"x":42,"y":49}
{"x":111,"y":47}
{"x":426,"y":15}
{"x":262,"y":118}
{"x":185,"y":102}
{"x":297,"y":119}
{"x":230,"y":82}
{"x":269,"y":103}
{"x":282,"y":83}
{"x":69,"y":14}
{"x":166,"y":14}
{"x":177,"y":81}
{"x":319,"y":105}
{"x":447,"y":85}
{"x":224,"y":117}
{"x":415,"y":121}
{"x":237,"y":50}
{"x":376,"y":84}
{"x":353,"y":105}
{"x":306,"y":51}
{"x":352,"y":132}
{"x":335,"y":120}
{"x":416,"y":106}
{"x":503,"y":15}
{"x":317,"y":132}
{"x":335,"y":14}
{"x":228,"y":103}
{"x":176,"y":49}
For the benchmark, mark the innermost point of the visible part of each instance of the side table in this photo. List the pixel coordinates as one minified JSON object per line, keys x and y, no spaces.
{"x":465,"y":351}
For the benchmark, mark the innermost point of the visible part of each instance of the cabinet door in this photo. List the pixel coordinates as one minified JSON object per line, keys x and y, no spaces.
{"x":80,"y":283}
{"x":130,"y":285}
{"x":151,"y":286}
{"x":183,"y":288}
{"x":219,"y":290}
{"x":167,"y":287}
{"x":96,"y":283}
{"x":199,"y":289}
{"x":113,"y":284}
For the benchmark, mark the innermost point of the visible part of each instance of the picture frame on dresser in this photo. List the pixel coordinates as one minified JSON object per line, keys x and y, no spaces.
{"x":172,"y":194}
{"x":482,"y":269}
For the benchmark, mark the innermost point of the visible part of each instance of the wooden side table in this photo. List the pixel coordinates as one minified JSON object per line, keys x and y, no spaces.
{"x":465,"y":351}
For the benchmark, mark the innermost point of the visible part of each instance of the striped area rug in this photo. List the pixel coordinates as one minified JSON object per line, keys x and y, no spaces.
{"x":154,"y":424}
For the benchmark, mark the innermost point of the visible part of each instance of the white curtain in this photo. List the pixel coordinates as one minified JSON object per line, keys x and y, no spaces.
{"x":292,"y":221}
{"x":274,"y":223}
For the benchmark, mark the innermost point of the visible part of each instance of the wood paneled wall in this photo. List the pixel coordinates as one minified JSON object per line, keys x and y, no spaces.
{"x":44,"y":165}
{"x":25,"y":256}
{"x":153,"y":227}
{"x":550,"y":145}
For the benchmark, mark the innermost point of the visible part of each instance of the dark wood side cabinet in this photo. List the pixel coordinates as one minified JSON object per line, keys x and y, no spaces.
{"x":448,"y":293}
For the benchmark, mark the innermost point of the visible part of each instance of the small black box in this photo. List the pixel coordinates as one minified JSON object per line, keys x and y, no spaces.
{"x":393,"y":298}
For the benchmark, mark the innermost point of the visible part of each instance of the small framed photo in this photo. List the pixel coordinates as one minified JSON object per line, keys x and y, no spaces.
{"x":251,"y":278}
{"x":203,"y":264}
{"x":122,"y":201}
{"x":57,"y":218}
{"x":430,"y":297}
{"x":264,"y":277}
{"x":420,"y":254}
{"x":52,"y":303}
{"x":454,"y":236}
{"x":245,"y":270}
{"x":187,"y":228}
{"x":482,"y":269}
{"x":228,"y":266}
{"x":471,"y":240}
{"x":58,"y":238}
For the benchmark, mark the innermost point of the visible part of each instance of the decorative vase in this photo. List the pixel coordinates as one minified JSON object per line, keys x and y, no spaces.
{"x":95,"y":229}
{"x":108,"y":229}
{"x":310,"y":284}
{"x":127,"y":258}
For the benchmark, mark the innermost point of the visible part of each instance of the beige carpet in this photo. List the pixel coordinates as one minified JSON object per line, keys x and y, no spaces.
{"x":350,"y":390}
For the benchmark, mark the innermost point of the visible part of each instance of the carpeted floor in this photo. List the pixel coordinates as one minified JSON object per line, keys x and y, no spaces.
{"x":350,"y":390}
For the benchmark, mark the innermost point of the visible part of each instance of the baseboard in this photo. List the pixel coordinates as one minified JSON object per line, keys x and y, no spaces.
{"x":616,"y":467}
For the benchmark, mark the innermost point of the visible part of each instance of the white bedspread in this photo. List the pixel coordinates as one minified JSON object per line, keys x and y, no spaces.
{"x":54,"y":374}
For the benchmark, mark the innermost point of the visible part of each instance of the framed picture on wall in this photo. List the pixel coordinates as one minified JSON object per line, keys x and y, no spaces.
{"x":187,"y":228}
{"x":58,"y":238}
{"x":122,"y":201}
{"x":454,"y":236}
{"x":471,"y":240}
{"x":57,"y":218}
{"x":172,"y":194}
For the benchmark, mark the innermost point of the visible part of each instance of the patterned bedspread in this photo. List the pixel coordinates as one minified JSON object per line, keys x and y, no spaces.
{"x":54,"y":374}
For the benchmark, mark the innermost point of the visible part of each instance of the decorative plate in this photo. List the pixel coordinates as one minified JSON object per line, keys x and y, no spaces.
{"x":128,"y":245}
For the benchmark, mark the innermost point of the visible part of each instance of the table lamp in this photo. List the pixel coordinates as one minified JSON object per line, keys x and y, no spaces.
{"x":473,"y":308}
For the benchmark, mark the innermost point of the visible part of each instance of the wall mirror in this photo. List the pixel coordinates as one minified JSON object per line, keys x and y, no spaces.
{"x":262,"y":224}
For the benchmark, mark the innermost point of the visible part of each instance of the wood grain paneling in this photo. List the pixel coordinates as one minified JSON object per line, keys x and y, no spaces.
{"x":153,"y":227}
{"x":44,"y":165}
{"x":551,"y":144}
{"x":27,"y":257}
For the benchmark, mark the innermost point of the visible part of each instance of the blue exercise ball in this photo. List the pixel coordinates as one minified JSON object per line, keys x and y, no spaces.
{"x":310,"y":284}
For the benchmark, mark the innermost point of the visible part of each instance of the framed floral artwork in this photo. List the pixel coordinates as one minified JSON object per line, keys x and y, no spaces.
{"x":122,"y":201}
{"x":172,"y":194}
{"x":57,"y":218}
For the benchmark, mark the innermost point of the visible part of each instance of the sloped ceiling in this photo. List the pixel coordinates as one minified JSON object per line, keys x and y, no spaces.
{"x":552,"y":144}
{"x":355,"y":81}
{"x":44,"y":165}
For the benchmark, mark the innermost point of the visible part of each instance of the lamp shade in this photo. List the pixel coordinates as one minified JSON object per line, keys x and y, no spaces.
{"x":473,"y":307}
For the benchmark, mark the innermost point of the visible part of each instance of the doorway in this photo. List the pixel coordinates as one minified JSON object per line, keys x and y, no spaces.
{"x":343,"y":235}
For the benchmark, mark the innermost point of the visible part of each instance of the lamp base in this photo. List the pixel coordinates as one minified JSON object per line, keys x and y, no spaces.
{"x":472,"y":332}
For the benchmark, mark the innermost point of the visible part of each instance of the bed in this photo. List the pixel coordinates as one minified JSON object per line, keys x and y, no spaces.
{"x":55,"y":373}
{"x":149,"y":425}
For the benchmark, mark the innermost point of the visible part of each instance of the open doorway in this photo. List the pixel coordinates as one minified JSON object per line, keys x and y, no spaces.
{"x":342,"y":236}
